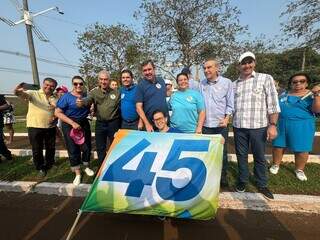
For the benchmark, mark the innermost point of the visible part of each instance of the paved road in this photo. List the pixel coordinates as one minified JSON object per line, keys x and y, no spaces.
{"x":35,"y":216}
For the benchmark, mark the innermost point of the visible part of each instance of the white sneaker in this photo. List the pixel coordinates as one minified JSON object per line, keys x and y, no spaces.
{"x":77,"y":180}
{"x":300,"y":175}
{"x":89,"y":172}
{"x":274,"y":169}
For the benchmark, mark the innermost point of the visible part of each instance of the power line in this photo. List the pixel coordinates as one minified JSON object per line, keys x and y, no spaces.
{"x":64,"y":21}
{"x":19,"y":54}
{"x":21,"y":71}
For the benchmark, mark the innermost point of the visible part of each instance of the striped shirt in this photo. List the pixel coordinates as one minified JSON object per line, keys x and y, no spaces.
{"x":254,"y":99}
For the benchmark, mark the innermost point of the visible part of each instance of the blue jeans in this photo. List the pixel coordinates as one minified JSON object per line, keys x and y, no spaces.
{"x":78,"y":154}
{"x":105,"y":130}
{"x":224,"y":132}
{"x":133,"y":125}
{"x":244,"y":137}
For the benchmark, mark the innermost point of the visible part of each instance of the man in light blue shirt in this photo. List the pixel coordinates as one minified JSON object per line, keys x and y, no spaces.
{"x":218,"y":95}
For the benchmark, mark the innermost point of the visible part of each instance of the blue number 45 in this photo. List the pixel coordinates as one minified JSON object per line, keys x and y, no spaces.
{"x":142,"y":176}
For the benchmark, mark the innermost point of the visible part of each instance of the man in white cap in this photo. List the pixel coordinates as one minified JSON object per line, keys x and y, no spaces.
{"x":256,"y":110}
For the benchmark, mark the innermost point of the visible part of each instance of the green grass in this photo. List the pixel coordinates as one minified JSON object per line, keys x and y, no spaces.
{"x":285,"y":182}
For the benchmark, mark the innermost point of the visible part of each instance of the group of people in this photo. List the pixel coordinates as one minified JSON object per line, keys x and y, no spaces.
{"x":204,"y":107}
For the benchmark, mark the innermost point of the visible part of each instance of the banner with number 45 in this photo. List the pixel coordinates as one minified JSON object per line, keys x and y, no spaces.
{"x":164,"y":174}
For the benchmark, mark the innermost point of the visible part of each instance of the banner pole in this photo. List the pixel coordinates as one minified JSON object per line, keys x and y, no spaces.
{"x":74,"y":225}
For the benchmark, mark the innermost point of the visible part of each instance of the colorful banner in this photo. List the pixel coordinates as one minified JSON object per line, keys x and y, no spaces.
{"x":165,"y":174}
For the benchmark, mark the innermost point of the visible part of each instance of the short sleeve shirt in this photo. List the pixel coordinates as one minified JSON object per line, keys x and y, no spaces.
{"x":67,"y":103}
{"x":185,"y":106}
{"x":152,"y":96}
{"x":128,"y":104}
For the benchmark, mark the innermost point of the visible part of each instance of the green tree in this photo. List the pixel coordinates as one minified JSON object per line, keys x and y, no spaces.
{"x":303,"y":22}
{"x":112,"y":48}
{"x":180,"y":30}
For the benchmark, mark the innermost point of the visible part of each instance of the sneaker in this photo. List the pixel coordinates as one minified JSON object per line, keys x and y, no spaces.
{"x":274,"y":169}
{"x":89,"y":172}
{"x":77,"y":180}
{"x":42,"y":173}
{"x":266,"y":193}
{"x":224,"y":183}
{"x":300,"y":175}
{"x":241,"y":187}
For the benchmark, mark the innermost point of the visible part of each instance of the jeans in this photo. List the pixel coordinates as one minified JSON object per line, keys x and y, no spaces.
{"x":133,"y":125}
{"x":78,"y":154}
{"x":244,"y":137}
{"x":105,"y":130}
{"x":38,"y":138}
{"x":224,"y":132}
{"x":3,"y":148}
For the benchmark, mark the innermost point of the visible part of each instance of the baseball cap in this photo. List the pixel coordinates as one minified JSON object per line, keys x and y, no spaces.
{"x":186,"y":70}
{"x":167,"y":82}
{"x":62,"y":88}
{"x":77,"y":135}
{"x":245,"y":55}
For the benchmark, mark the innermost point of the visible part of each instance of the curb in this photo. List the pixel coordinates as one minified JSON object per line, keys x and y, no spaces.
{"x":231,"y":157}
{"x":227,"y":200}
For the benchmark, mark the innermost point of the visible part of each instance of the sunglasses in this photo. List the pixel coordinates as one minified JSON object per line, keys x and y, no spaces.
{"x":299,"y":81}
{"x":247,"y":62}
{"x":78,"y":84}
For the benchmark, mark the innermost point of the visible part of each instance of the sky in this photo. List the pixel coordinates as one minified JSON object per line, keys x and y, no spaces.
{"x":261,"y":16}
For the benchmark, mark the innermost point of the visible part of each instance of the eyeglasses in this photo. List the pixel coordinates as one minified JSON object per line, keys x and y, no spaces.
{"x":104,"y":79}
{"x":299,"y":81}
{"x":247,"y":62}
{"x":78,"y":84}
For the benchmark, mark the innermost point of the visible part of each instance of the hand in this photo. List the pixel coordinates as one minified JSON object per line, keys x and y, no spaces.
{"x":140,"y":125}
{"x":149,"y":128}
{"x":79,"y":103}
{"x":75,"y":125}
{"x":271,"y":132}
{"x":224,"y":122}
{"x":199,"y":130}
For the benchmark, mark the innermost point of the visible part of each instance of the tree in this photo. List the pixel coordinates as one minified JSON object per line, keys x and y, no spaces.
{"x":109,"y":47}
{"x":179,"y":30}
{"x":303,"y":22}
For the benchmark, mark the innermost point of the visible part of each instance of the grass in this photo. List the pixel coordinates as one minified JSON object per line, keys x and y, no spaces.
{"x":285,"y":182}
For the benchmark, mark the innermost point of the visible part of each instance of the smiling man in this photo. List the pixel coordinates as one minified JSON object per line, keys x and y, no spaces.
{"x":150,"y":95}
{"x":161,"y":122}
{"x":254,"y":121}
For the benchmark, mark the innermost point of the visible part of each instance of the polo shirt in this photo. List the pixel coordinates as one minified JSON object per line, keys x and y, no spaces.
{"x":40,"y":110}
{"x":107,"y":103}
{"x":153,"y":96}
{"x":128,"y":103}
{"x":67,"y":103}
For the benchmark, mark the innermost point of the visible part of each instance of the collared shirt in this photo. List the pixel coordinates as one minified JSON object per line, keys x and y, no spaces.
{"x":106,"y":102}
{"x":219,"y":98}
{"x":255,"y":98}
{"x":67,"y":103}
{"x":153,"y":96}
{"x":128,"y":103}
{"x":193,"y":84}
{"x":40,"y":110}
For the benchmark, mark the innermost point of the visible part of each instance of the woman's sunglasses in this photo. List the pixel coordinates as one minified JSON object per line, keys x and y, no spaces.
{"x":78,"y":84}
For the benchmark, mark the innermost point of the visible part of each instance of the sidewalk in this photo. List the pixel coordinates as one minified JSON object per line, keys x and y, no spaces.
{"x":227,"y":200}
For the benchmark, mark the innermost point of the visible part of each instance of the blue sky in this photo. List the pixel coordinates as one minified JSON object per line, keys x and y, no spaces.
{"x":262,"y":17}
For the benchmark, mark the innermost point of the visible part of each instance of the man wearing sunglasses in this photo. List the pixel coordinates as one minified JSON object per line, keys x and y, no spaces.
{"x":256,"y":110}
{"x":40,"y":124}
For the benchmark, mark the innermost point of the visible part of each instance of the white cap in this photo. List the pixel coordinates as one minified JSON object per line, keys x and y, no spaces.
{"x":167,"y":82}
{"x":245,"y":55}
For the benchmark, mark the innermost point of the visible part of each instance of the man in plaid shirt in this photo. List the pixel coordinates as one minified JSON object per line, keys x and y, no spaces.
{"x":256,"y":110}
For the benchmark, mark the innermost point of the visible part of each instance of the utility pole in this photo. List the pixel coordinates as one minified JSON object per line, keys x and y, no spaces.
{"x":28,"y":23}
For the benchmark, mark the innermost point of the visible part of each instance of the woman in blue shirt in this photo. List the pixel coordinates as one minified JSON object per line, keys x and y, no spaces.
{"x":73,"y":117}
{"x":187,"y":105}
{"x":296,"y":125}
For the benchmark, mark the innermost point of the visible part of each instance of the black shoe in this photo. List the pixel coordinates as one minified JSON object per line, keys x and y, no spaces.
{"x":266,"y":193}
{"x":42,"y":173}
{"x":224,"y":184}
{"x":241,"y":187}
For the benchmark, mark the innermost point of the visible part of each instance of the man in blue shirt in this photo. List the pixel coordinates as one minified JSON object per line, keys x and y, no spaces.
{"x":129,"y":115}
{"x":218,"y":95}
{"x":150,"y":95}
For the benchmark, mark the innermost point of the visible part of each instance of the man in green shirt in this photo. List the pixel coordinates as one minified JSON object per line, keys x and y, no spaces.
{"x":106,"y":102}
